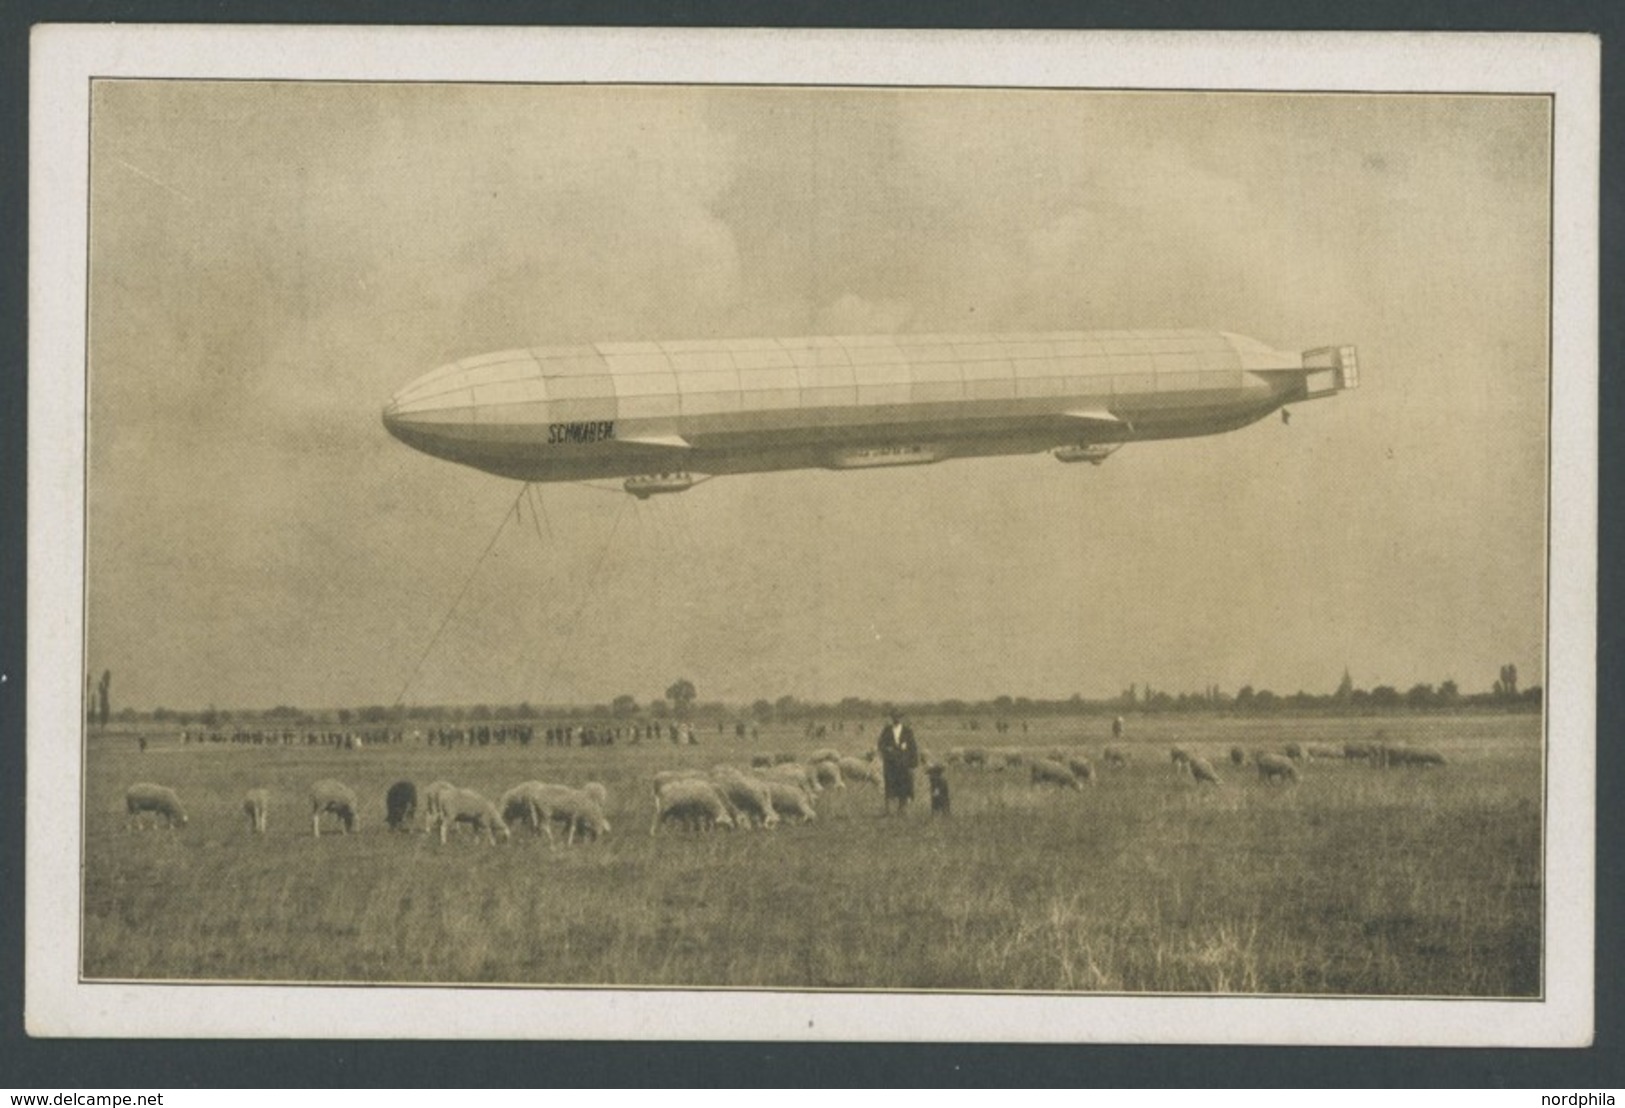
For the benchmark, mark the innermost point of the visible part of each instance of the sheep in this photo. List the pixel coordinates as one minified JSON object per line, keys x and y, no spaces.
{"x":1046,"y":771}
{"x":975,"y":756}
{"x":1413,"y":756}
{"x":1179,"y":757}
{"x":783,"y":757}
{"x":696,"y":804}
{"x":1275,"y":767}
{"x":761,"y":761}
{"x":795,"y":773}
{"x":749,"y":801}
{"x":1320,"y":750}
{"x":596,"y":791}
{"x":827,"y":754}
{"x":328,"y":795}
{"x":1202,"y":770}
{"x":577,"y":809}
{"x":518,"y":806}
{"x":1238,"y":756}
{"x":828,"y":775}
{"x":157,"y":799}
{"x":255,"y":804}
{"x":400,"y":805}
{"x":1371,"y":752}
{"x":1296,"y":752}
{"x":665,"y":776}
{"x":1081,"y":768}
{"x":468,"y":806}
{"x":1114,"y":756}
{"x":790,"y":800}
{"x":1015,"y":758}
{"x":858,"y":772}
{"x":431,"y":802}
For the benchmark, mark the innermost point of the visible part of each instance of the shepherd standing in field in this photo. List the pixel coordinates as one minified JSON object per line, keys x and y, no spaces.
{"x":899,"y":754}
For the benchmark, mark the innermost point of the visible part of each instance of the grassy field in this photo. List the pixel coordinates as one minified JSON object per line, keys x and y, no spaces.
{"x":1354,"y":881}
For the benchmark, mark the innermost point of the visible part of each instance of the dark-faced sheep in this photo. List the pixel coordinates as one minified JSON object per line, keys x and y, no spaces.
{"x":400,"y":805}
{"x":1047,"y":771}
{"x":1296,"y":752}
{"x":468,"y":806}
{"x":1238,"y":756}
{"x":1203,"y":772}
{"x":332,"y":796}
{"x":1276,"y":767}
{"x":160,"y":800}
{"x":1114,"y":756}
{"x":256,"y":803}
{"x":1179,"y":757}
{"x":761,"y":761}
{"x":691,"y":803}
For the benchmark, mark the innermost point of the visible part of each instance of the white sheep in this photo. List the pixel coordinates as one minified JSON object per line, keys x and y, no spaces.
{"x":1082,"y":768}
{"x":795,"y":773}
{"x":1275,"y":767}
{"x":431,"y":802}
{"x":577,"y":809}
{"x":790,"y":800}
{"x":597,"y":792}
{"x":468,"y":806}
{"x":858,"y":772}
{"x":749,"y":801}
{"x":694,"y":803}
{"x":518,"y":806}
{"x":827,"y":754}
{"x":328,"y":795}
{"x":256,"y":802}
{"x":1047,"y":771}
{"x":828,"y":774}
{"x":157,"y":799}
{"x":1202,"y":770}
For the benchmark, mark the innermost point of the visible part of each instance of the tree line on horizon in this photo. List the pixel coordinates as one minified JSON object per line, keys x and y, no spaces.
{"x":681,"y":702}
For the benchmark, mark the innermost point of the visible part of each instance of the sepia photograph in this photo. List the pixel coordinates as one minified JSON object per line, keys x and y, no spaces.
{"x":639,"y":536}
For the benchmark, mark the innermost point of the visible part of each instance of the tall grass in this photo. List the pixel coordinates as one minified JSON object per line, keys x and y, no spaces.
{"x":1354,"y":881}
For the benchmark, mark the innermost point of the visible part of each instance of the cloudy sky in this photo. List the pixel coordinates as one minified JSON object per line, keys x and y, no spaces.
{"x":270,"y":262}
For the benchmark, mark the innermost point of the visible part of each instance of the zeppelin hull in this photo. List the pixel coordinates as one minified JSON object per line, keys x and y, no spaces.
{"x":743,"y":406}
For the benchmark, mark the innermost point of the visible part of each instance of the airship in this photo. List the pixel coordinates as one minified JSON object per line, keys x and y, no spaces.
{"x":662,"y":416}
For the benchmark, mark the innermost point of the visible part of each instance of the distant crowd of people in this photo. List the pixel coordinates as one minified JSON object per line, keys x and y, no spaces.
{"x":288,"y":736}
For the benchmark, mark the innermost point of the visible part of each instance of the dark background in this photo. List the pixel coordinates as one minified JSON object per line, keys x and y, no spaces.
{"x":137,"y":1064}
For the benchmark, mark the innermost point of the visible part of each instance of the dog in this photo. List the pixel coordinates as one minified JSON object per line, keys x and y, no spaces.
{"x":941,"y":802}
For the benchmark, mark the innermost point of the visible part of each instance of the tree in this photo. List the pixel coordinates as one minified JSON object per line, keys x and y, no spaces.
{"x":681,"y":694}
{"x":1448,"y":692}
{"x":1345,"y":688}
{"x":624,"y":706}
{"x":762,"y":709}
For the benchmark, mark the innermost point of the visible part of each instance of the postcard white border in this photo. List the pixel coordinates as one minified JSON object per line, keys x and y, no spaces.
{"x":64,"y":58}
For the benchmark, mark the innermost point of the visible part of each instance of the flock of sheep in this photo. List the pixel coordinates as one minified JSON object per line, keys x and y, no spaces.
{"x":774,"y":789}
